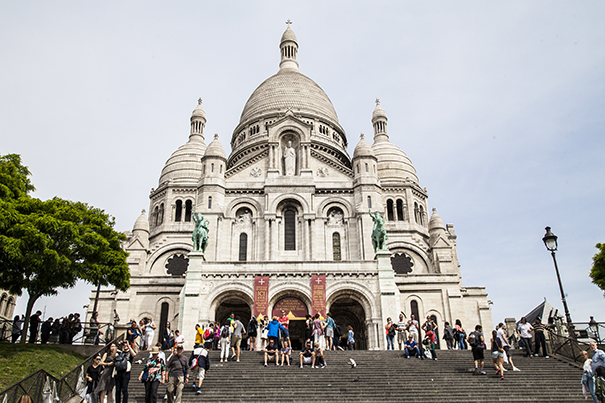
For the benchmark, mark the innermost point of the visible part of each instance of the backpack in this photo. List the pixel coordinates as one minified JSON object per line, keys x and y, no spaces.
{"x":120,"y":362}
{"x":392,"y":330}
{"x":225,"y":331}
{"x":193,"y":363}
{"x":473,"y":339}
{"x":337,"y":331}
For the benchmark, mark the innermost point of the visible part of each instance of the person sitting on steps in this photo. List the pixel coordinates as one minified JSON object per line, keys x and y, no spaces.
{"x":307,"y":355}
{"x":271,"y":352}
{"x":411,"y":347}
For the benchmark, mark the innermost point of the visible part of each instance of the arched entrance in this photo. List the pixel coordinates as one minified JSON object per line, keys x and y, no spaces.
{"x":295,"y":310}
{"x":348,"y":311}
{"x":236,"y":305}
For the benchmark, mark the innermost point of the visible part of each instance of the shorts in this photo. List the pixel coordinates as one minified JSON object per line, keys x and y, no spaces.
{"x":401,"y":337}
{"x":236,"y":340}
{"x":506,"y":348}
{"x":252,"y":334}
{"x":271,"y":356}
{"x":478,"y":354}
{"x":329,"y":332}
{"x":198,"y":373}
{"x":307,"y":360}
{"x":496,"y":354}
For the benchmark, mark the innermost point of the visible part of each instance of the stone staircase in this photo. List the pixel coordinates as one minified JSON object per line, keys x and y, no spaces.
{"x":380,"y":376}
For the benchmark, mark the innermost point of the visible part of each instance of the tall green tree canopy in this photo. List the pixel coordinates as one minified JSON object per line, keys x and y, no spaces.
{"x":597,"y":273}
{"x":46,"y":245}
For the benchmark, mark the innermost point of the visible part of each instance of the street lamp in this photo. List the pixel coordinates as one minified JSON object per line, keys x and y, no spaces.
{"x":550,"y":241}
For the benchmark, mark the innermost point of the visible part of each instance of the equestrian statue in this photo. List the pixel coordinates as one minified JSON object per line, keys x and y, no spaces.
{"x":200,"y":233}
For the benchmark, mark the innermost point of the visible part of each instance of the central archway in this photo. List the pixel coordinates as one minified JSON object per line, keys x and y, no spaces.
{"x":239,"y":307}
{"x":347,"y":311}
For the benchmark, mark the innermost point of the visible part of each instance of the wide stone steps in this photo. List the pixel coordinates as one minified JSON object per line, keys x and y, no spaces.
{"x":380,"y":375}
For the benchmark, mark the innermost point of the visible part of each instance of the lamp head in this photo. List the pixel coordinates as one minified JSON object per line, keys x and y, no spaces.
{"x":550,"y":240}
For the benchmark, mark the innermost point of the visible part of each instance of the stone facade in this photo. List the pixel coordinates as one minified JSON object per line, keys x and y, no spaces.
{"x":287,"y":204}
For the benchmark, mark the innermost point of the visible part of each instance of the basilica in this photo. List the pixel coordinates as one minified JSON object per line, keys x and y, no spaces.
{"x":289,"y":223}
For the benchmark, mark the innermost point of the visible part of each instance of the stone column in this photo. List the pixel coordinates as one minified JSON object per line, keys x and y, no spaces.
{"x":189,"y":310}
{"x":389,"y":294}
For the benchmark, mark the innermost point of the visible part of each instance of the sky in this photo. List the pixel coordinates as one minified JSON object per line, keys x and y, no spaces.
{"x":499,"y":105}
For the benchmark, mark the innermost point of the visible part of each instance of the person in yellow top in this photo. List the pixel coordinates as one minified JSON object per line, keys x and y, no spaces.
{"x":199,"y":337}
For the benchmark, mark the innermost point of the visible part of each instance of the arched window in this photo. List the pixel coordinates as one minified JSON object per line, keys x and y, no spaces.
{"x":211,"y":167}
{"x":209,"y":202}
{"x":414,"y":309}
{"x":2,"y":302}
{"x":390,"y":215}
{"x":290,"y":230}
{"x":357,"y":168}
{"x":400,"y":210}
{"x":336,"y":246}
{"x":416,"y":213}
{"x":369,"y":202}
{"x":220,"y":168}
{"x":156,"y":215}
{"x":188,"y":209}
{"x":204,"y":169}
{"x":161,"y":213}
{"x":367,"y":169}
{"x":164,"y":315}
{"x":178,"y":212}
{"x":8,"y":306}
{"x":421,"y":215}
{"x":243,"y":247}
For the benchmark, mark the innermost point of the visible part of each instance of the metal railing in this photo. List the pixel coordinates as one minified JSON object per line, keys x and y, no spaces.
{"x":43,"y":387}
{"x":91,"y":334}
{"x":567,"y":347}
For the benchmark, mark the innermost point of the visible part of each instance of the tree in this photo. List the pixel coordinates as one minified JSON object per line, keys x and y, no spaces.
{"x":597,"y":273}
{"x":46,"y":245}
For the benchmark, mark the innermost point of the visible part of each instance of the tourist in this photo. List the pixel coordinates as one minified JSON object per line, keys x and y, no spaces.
{"x":149,"y":331}
{"x":498,"y":354}
{"x":598,"y":357}
{"x":337,"y":336}
{"x":106,"y":382}
{"x":350,"y":338}
{"x":286,"y":352}
{"x":93,"y":373}
{"x":178,"y":339}
{"x":317,"y":328}
{"x":429,"y":325}
{"x":460,"y":335}
{"x":236,"y":338}
{"x":46,"y":330}
{"x":161,"y":354}
{"x":524,"y":330}
{"x":252,"y":330}
{"x":273,"y":329}
{"x":199,"y":362}
{"x":477,"y":347}
{"x":329,"y":332}
{"x":308,"y":327}
{"x":165,"y":337}
{"x":155,"y":373}
{"x":401,"y":327}
{"x":143,"y":338}
{"x":216,"y":336}
{"x":540,"y":340}
{"x":307,"y":355}
{"x":224,"y":341}
{"x":17,"y":325}
{"x":429,"y":342}
{"x":600,"y":384}
{"x":65,"y":329}
{"x":34,"y":322}
{"x":199,"y":336}
{"x":132,"y":333}
{"x":284,"y":320}
{"x":177,"y":368}
{"x":264,"y":331}
{"x":208,"y":336}
{"x":54,"y":332}
{"x":122,"y":375}
{"x":320,"y":358}
{"x":76,"y":327}
{"x":413,"y":328}
{"x":502,"y":336}
{"x":271,"y":352}
{"x":411,"y":347}
{"x":448,"y":335}
{"x":588,"y":377}
{"x":94,"y":328}
{"x":390,"y":332}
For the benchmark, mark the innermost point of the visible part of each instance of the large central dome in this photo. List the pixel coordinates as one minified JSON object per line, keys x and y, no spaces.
{"x":289,"y":89}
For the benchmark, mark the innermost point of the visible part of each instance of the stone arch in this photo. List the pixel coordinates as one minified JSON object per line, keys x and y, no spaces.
{"x":290,"y":290}
{"x":279,"y":201}
{"x":288,"y":129}
{"x":3,"y":301}
{"x":10,"y":307}
{"x":351,"y":308}
{"x":234,"y":205}
{"x":360,"y":293}
{"x":239,"y":302}
{"x":159,"y":257}
{"x":324,"y":206}
{"x":412,"y":250}
{"x":438,"y":318}
{"x":407,"y":306}
{"x":223,"y":291}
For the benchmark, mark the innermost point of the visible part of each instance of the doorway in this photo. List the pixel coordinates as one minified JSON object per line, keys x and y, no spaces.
{"x":347,"y":311}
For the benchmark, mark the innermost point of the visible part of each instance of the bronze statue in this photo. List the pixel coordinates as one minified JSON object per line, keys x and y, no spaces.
{"x":379,"y":233}
{"x":200,"y":233}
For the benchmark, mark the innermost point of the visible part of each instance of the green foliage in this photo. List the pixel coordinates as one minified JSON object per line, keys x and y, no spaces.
{"x":46,"y":245}
{"x":597,"y":273}
{"x":18,"y":361}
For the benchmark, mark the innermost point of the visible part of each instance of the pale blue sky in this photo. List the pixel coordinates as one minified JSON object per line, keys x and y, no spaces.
{"x":500,"y":106}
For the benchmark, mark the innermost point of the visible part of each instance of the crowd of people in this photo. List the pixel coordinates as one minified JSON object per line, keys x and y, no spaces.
{"x":51,"y":331}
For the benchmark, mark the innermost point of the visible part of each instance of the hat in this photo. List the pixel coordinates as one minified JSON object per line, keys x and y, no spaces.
{"x":155,"y":350}
{"x":180,"y":347}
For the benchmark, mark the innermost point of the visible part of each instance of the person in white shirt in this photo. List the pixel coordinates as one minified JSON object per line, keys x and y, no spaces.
{"x":179,"y":339}
{"x":524,"y":330}
{"x":506,"y":345}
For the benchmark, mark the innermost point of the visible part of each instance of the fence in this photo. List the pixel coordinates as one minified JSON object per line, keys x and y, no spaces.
{"x":91,"y":333}
{"x":43,"y":387}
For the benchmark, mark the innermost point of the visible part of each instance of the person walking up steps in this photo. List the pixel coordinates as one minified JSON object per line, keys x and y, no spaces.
{"x":477,"y":343}
{"x":224,"y":341}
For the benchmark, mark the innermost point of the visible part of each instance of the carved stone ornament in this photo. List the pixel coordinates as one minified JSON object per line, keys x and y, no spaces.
{"x":401,"y":263}
{"x":256,"y":172}
{"x":177,"y":265}
{"x":335,"y":217}
{"x":322,"y":171}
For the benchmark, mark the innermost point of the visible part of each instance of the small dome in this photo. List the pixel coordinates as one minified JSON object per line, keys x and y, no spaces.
{"x":394,"y":166}
{"x":436,"y":223}
{"x":185,"y":164}
{"x":363,"y":148}
{"x":288,"y":36}
{"x":378,"y":112}
{"x":215,"y":149}
{"x":198,"y":112}
{"x":142,"y":223}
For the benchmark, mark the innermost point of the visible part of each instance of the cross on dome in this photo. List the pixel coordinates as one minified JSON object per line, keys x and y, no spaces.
{"x":289,"y":22}
{"x":361,"y":135}
{"x":199,"y":101}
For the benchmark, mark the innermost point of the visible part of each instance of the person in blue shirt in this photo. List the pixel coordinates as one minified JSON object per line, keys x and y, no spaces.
{"x":273,"y":329}
{"x":329,"y":332}
{"x":598,"y":357}
{"x":411,"y":347}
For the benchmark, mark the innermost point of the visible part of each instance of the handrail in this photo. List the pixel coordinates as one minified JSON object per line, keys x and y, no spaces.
{"x":567,"y":347}
{"x":89,"y":334}
{"x":63,"y":389}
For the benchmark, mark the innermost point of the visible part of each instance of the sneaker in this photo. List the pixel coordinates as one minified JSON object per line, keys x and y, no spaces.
{"x":516,"y":369}
{"x":535,"y":355}
{"x":237,"y":360}
{"x":476,"y":371}
{"x":265,"y":364}
{"x":233,"y":356}
{"x":323,"y":365}
{"x":483,"y":373}
{"x":301,"y":366}
{"x":497,"y":371}
{"x":193,"y":386}
{"x":312,"y":366}
{"x":407,"y":356}
{"x":199,"y":392}
{"x":546,"y":356}
{"x":435,"y":359}
{"x":502,"y":377}
{"x":277,"y":363}
{"x":505,"y":369}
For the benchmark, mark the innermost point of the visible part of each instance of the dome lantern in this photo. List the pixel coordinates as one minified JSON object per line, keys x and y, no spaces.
{"x":198,"y":120}
{"x":379,"y":120}
{"x":289,"y":49}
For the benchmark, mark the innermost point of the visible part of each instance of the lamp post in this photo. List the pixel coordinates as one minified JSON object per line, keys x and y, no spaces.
{"x":550,"y":241}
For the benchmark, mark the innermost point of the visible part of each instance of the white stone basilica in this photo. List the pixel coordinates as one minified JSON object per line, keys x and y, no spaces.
{"x":289,"y":225}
